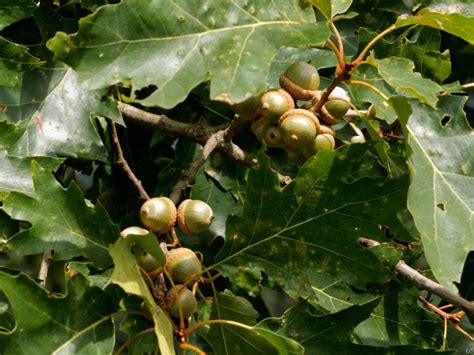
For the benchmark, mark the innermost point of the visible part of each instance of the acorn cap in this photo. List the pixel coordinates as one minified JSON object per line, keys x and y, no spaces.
{"x":303,"y":112}
{"x":300,"y":80}
{"x":158,"y":214}
{"x":323,"y":129}
{"x":194,"y":216}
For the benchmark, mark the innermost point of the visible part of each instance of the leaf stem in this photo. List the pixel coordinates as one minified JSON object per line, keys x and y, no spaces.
{"x":370,"y":86}
{"x":468,"y":86}
{"x":339,"y":40}
{"x":340,"y":59}
{"x":425,"y":283}
{"x":122,"y":162}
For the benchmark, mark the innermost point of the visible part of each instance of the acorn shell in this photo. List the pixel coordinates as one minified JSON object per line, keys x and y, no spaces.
{"x":298,"y":127}
{"x":337,"y":108}
{"x":275,"y":103}
{"x":248,"y":106}
{"x":179,"y":295}
{"x":300,"y":80}
{"x":272,"y":136}
{"x":323,"y":129}
{"x":146,"y":261}
{"x":183,"y":266}
{"x":194,"y":216}
{"x":158,"y":214}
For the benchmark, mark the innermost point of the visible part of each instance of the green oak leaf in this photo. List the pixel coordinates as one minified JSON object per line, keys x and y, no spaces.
{"x":398,"y":72}
{"x":331,"y":8}
{"x":63,"y":124}
{"x":61,"y":220}
{"x":79,"y":322}
{"x":446,"y":20}
{"x":128,"y":276}
{"x":419,"y":44}
{"x":399,"y":320}
{"x":362,"y":94}
{"x":332,"y":333}
{"x":13,"y":11}
{"x":95,"y":279}
{"x":243,"y":337}
{"x":312,"y":225}
{"x":14,"y":59}
{"x":21,"y":101}
{"x":228,"y":43}
{"x":441,"y":197}
{"x":15,"y":174}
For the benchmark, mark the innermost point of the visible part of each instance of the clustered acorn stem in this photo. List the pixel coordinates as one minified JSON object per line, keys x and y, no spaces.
{"x":425,"y":283}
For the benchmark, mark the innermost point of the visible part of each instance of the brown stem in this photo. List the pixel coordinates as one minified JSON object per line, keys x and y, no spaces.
{"x":221,"y":137}
{"x":215,"y":321}
{"x":190,"y":174}
{"x":132,"y":338}
{"x":339,"y":39}
{"x":339,"y":78}
{"x":198,"y":133}
{"x":423,"y":282}
{"x":340,"y":59}
{"x":124,"y":165}
{"x":45,"y":262}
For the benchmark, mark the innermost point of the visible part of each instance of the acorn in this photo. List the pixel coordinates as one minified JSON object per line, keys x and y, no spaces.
{"x":146,"y":261}
{"x":275,"y":103}
{"x":298,"y":127}
{"x":301,"y":80}
{"x":248,"y":106}
{"x":183,"y":266}
{"x":194,"y":216}
{"x":337,"y":108}
{"x":179,"y":295}
{"x":323,"y":141}
{"x":158,"y":214}
{"x":272,"y":136}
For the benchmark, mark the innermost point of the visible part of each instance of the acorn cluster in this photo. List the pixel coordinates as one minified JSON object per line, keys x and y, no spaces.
{"x":183,"y":267}
{"x":286,"y":117}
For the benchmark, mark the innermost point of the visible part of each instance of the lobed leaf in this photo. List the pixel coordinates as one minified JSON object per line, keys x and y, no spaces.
{"x":312,"y":226}
{"x":441,"y":197}
{"x":398,"y":72}
{"x":244,"y":338}
{"x":60,"y":220}
{"x":228,"y":43}
{"x":128,"y":276}
{"x":448,"y":19}
{"x":79,"y":322}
